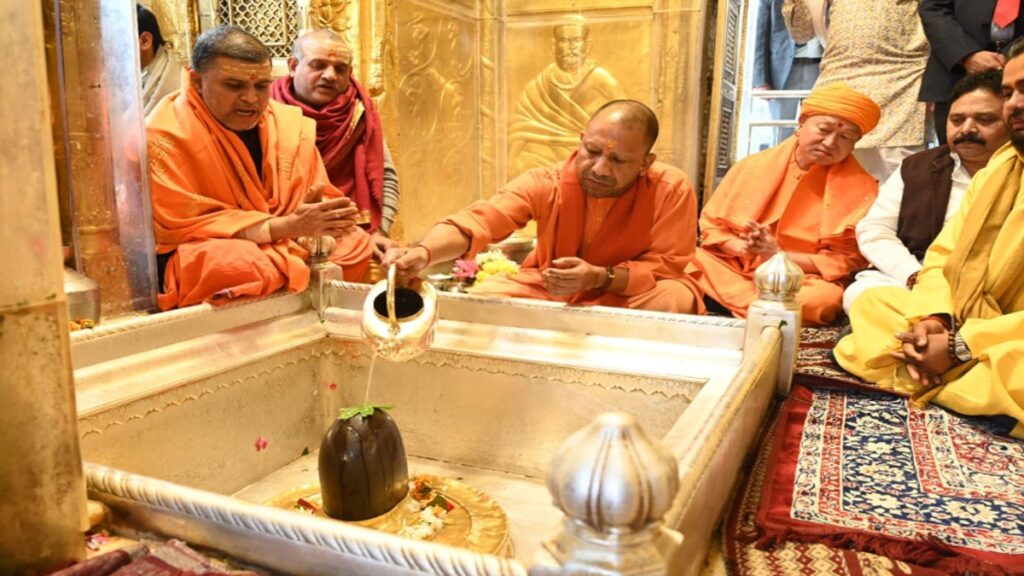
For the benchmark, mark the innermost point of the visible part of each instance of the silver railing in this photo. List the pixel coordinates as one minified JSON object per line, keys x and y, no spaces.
{"x":754,"y":124}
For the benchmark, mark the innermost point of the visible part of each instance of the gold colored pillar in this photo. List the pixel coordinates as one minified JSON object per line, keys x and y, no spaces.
{"x":179,"y":24}
{"x":51,"y":24}
{"x":42,"y":494}
{"x":106,"y":151}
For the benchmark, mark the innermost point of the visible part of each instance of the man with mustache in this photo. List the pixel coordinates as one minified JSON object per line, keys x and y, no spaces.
{"x":236,"y":179}
{"x":918,"y":199}
{"x":349,"y":134}
{"x":957,"y":337}
{"x":614,"y":227}
{"x":803,"y":196}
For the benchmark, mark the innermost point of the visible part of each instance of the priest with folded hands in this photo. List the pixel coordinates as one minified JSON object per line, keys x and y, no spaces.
{"x":236,"y":178}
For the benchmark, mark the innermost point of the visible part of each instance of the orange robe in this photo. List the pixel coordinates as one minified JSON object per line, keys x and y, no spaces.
{"x":650,"y":231}
{"x":206,"y":189}
{"x":813,"y":212}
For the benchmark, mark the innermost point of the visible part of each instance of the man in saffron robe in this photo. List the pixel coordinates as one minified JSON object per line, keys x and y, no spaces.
{"x":615,"y":228}
{"x":349,"y":134}
{"x":803,"y":196}
{"x":236,"y":178}
{"x":957,"y":338}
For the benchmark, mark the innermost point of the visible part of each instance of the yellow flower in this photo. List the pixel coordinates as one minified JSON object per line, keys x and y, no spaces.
{"x":494,"y":263}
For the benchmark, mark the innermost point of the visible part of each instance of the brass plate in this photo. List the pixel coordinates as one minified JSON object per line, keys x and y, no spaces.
{"x":476,"y":522}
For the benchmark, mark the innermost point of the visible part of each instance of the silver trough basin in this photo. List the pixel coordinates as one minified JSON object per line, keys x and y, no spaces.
{"x":191,"y":420}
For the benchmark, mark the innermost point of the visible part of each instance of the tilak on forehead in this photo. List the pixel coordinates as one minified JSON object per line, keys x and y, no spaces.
{"x":610,"y":145}
{"x":340,"y":52}
{"x":250,"y":70}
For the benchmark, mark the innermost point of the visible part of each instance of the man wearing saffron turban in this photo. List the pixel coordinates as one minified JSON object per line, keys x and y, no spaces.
{"x":957,"y":338}
{"x":803,"y":196}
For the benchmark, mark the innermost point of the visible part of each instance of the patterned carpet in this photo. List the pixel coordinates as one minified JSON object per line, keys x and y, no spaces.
{"x":850,"y":480}
{"x":814,"y":364}
{"x":747,"y":556}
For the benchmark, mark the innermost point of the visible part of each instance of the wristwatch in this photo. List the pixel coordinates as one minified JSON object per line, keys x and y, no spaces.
{"x":958,"y":349}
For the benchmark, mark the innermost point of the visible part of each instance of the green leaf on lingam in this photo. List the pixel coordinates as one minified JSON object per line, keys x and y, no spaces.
{"x":366,"y":410}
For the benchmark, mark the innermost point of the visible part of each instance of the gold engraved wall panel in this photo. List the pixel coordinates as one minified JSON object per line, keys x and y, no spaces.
{"x":573,"y":67}
{"x":334,"y":15}
{"x":469,"y":6}
{"x":448,"y":76}
{"x":438,"y":153}
{"x":682,"y":90}
{"x":179,"y":24}
{"x":538,"y":6}
{"x":481,"y":96}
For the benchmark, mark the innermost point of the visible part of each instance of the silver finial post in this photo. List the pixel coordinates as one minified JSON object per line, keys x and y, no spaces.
{"x":778,"y":283}
{"x":614,"y":484}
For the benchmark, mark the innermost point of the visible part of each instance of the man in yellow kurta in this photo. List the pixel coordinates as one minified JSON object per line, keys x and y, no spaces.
{"x":958,"y":337}
{"x":614,"y":227}
{"x":803,"y":196}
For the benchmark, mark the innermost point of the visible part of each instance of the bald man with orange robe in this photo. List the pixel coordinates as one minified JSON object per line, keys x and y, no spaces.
{"x":236,"y":179}
{"x":804,"y":196}
{"x":614,"y":227}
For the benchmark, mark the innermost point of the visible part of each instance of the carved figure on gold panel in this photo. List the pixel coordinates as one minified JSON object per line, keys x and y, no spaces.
{"x":555,"y":106}
{"x":432,"y":93}
{"x":324,"y":14}
{"x":333,"y":15}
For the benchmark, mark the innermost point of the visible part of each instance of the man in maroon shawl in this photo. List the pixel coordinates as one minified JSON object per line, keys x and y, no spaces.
{"x":349,"y":134}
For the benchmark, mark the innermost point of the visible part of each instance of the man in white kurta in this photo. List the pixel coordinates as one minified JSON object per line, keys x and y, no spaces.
{"x":894,"y":235}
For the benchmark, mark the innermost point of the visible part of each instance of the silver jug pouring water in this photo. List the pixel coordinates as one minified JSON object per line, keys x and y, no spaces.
{"x":399,"y":321}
